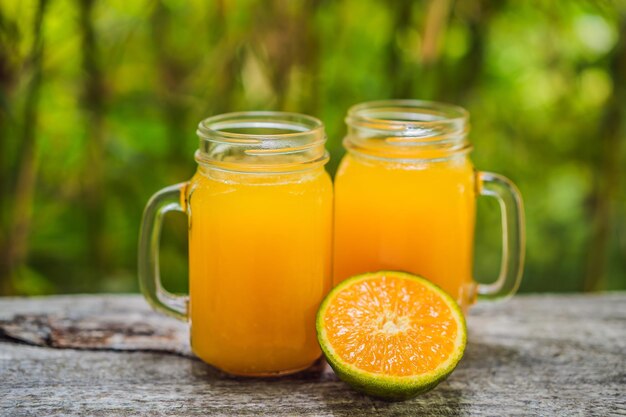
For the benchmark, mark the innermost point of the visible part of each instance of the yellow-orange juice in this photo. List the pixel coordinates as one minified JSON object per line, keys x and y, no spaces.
{"x":259,"y":265}
{"x":409,"y":217}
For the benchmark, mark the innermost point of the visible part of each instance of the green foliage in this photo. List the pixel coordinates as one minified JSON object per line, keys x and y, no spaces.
{"x":123,"y":85}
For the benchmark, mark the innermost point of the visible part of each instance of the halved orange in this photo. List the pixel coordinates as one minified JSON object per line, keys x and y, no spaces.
{"x":391,"y":334}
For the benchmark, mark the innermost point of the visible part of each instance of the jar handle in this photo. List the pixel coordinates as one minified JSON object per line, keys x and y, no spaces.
{"x":163,"y":201}
{"x":513,"y":234}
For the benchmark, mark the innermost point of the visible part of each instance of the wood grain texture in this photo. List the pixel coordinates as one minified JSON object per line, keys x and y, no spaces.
{"x":533,"y":355}
{"x":100,"y":324}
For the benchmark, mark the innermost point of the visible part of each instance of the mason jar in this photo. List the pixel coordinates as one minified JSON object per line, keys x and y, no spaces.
{"x":259,"y":213}
{"x":405,"y":199}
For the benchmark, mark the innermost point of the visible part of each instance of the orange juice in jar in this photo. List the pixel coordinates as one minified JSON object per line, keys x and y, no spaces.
{"x":259,"y":210}
{"x":405,"y":199}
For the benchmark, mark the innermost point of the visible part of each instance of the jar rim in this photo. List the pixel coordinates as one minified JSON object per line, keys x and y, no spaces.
{"x":294,"y":124}
{"x":413,"y":114}
{"x":405,"y":129}
{"x":261,"y":141}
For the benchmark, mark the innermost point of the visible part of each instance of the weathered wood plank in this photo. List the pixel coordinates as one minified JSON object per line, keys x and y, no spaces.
{"x":127,"y":325}
{"x":535,"y":355}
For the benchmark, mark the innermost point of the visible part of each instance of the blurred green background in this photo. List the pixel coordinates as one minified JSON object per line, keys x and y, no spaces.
{"x":99,"y":100}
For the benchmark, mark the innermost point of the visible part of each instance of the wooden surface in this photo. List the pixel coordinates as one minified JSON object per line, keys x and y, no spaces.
{"x":533,"y":355}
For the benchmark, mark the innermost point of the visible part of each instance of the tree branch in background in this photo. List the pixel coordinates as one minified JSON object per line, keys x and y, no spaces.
{"x":9,"y":74}
{"x":278,"y":38}
{"x":171,"y":72}
{"x":610,"y":140}
{"x":309,"y":61}
{"x":224,"y":50}
{"x":469,"y":70}
{"x":94,"y":184}
{"x":13,"y":248}
{"x":437,"y":16}
{"x":401,"y":80}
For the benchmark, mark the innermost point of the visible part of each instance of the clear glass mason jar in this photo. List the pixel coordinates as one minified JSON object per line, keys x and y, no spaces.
{"x":405,"y":199}
{"x":259,"y":212}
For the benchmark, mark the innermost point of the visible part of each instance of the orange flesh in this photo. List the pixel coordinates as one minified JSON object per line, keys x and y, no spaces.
{"x":391,"y":325}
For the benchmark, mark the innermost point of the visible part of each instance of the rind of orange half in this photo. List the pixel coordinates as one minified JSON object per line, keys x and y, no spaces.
{"x":391,"y":334}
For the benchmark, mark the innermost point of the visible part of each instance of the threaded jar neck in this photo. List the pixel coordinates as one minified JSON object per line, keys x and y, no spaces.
{"x":261,"y":141}
{"x":407,"y":130}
